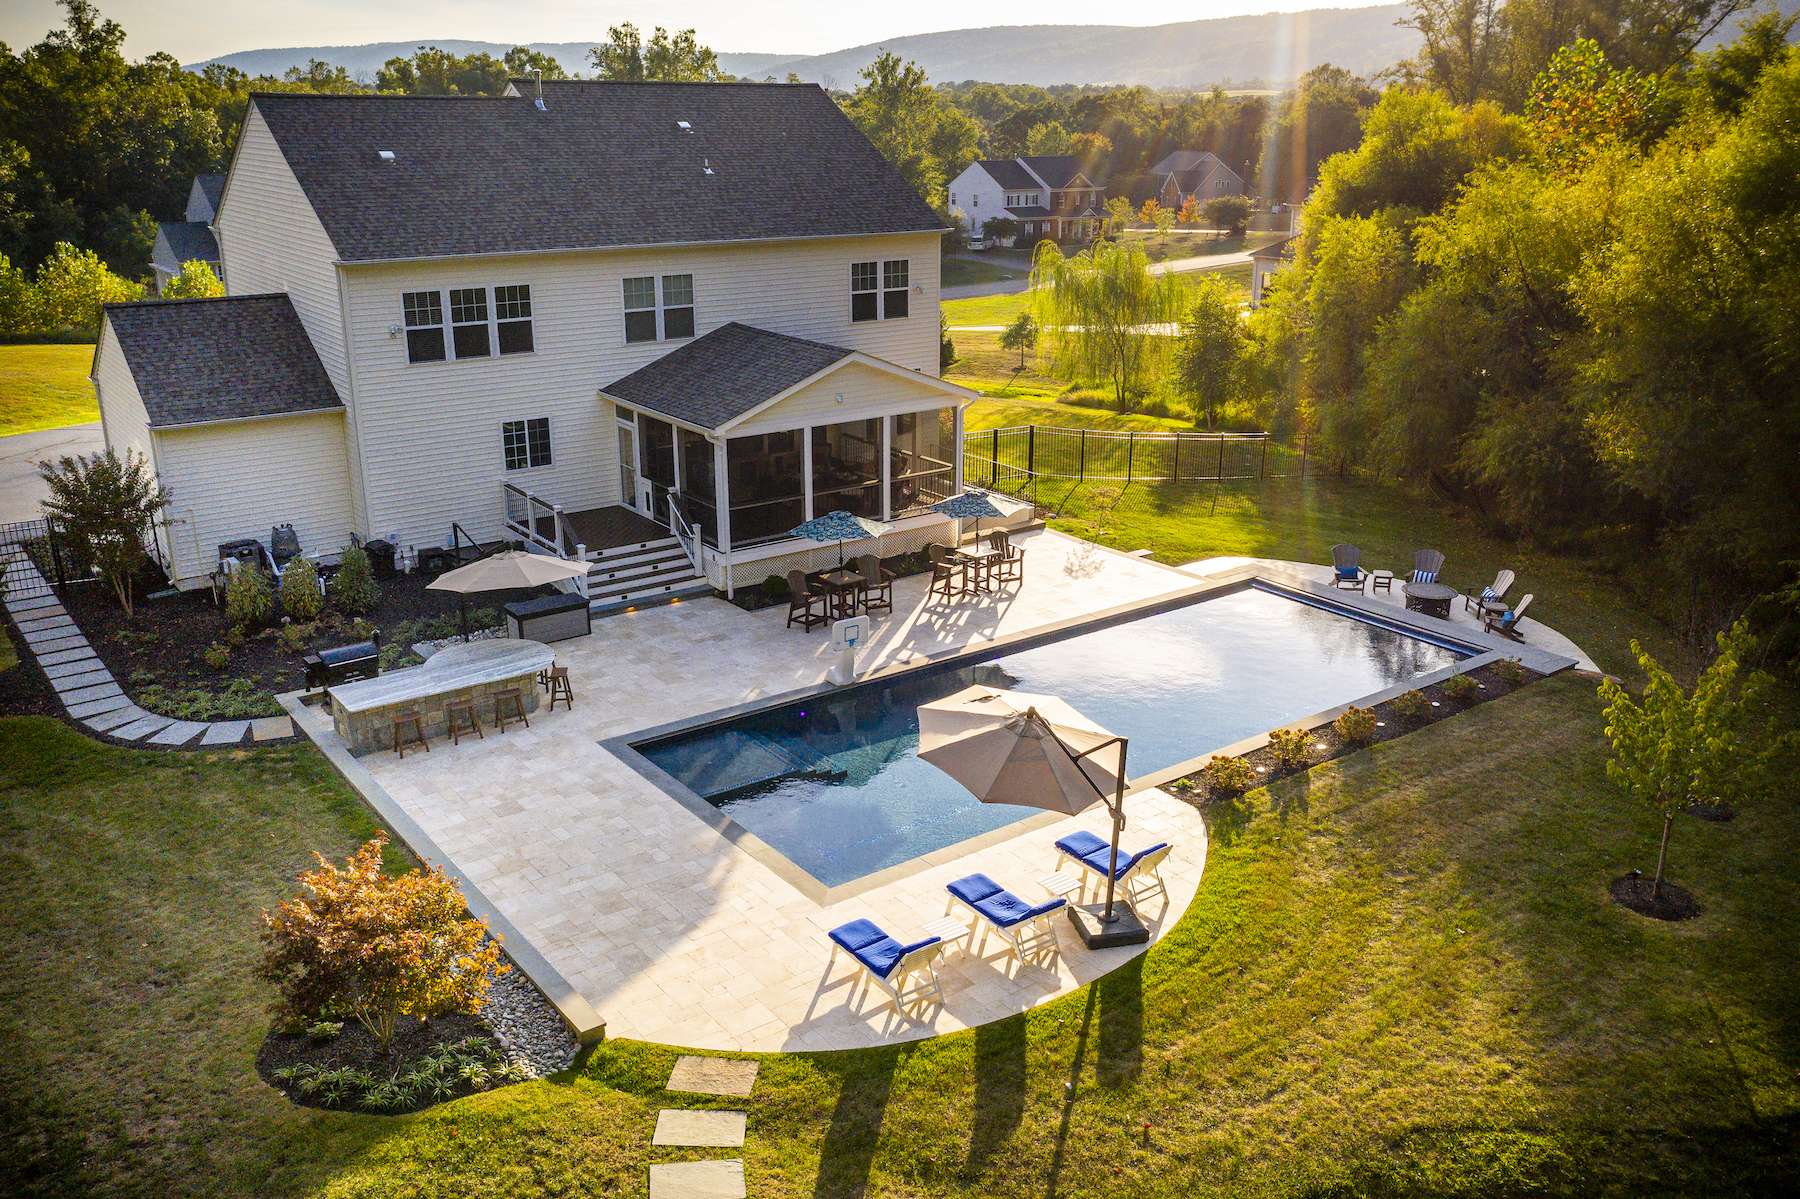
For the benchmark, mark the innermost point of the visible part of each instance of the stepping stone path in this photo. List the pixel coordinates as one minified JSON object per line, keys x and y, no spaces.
{"x":718,"y":1178}
{"x":87,"y":688}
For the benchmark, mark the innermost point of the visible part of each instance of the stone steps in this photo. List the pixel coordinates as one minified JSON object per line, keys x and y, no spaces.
{"x":714,"y":1178}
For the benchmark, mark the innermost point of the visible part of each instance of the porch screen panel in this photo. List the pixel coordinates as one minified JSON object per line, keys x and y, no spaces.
{"x":767,"y":486}
{"x":657,"y":450}
{"x":846,"y":461}
{"x":698,"y":486}
{"x":923,"y":470}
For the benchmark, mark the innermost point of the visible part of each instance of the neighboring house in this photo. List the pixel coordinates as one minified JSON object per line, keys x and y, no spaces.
{"x":665,"y":322}
{"x":1048,"y":195}
{"x":182,"y":241}
{"x":1265,"y":262}
{"x":1199,"y":175}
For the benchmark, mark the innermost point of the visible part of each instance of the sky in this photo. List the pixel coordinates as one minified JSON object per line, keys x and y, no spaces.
{"x":193,"y":30}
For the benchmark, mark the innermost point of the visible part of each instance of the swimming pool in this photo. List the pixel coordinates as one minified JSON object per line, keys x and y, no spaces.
{"x":834,"y":783}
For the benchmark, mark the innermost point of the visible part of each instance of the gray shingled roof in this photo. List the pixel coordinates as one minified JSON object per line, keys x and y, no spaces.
{"x":1058,"y":170}
{"x":604,"y":165}
{"x":1183,"y":160}
{"x":1008,"y":173}
{"x":225,"y":359}
{"x":1277,"y":249}
{"x":187,"y":240}
{"x":719,"y":377}
{"x":212,"y":187}
{"x":1030,"y":211}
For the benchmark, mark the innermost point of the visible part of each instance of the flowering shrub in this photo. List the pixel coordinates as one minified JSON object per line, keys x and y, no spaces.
{"x":377,"y":946}
{"x":1460,"y":687}
{"x":1231,"y":776}
{"x":1356,"y":725}
{"x":1412,"y":706}
{"x":1290,"y":746}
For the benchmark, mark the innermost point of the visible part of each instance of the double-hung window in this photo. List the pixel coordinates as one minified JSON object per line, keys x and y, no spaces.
{"x":878,"y":290}
{"x":424,"y":325}
{"x":659,"y":315}
{"x":479,"y":322}
{"x":526,"y":443}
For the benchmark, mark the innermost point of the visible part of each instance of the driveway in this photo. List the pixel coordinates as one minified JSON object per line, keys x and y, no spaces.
{"x":20,"y":487}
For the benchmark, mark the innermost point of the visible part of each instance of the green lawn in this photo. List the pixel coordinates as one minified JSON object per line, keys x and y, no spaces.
{"x":1023,"y":406}
{"x":1188,"y":244}
{"x":959,"y":272}
{"x":45,"y":387}
{"x":1401,"y":975}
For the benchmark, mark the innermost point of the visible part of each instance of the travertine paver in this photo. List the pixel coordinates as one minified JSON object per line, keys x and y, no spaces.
{"x":179,"y":733}
{"x":712,"y":1075}
{"x":34,"y":604}
{"x":700,"y":1130}
{"x":46,"y":624}
{"x":698,"y":1180}
{"x":271,"y":728}
{"x":139,"y":729}
{"x":225,"y":732}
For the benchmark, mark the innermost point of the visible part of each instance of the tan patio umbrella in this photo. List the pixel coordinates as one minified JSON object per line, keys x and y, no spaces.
{"x":510,"y":570}
{"x":1035,"y":751}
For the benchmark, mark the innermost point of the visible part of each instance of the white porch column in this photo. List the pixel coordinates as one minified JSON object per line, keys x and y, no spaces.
{"x":887,"y":466}
{"x":957,"y":452}
{"x":722,"y":494}
{"x":806,"y":471}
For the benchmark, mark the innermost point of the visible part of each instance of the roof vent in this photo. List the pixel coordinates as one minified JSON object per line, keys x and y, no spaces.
{"x":685,"y":126}
{"x":385,"y":155}
{"x":538,"y":104}
{"x":706,"y":166}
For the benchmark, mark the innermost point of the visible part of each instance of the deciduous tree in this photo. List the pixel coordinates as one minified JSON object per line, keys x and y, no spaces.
{"x":106,"y":505}
{"x":668,"y":58}
{"x":195,"y":281}
{"x":915,"y":128}
{"x":1101,"y":310}
{"x":1209,"y":357}
{"x":1021,"y":335}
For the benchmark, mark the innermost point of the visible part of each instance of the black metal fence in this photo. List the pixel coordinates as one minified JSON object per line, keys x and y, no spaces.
{"x":1012,"y":458}
{"x":35,"y":558}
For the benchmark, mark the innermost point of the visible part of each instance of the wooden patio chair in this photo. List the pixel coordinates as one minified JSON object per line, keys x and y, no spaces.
{"x":1507,"y":623}
{"x":805,"y":606}
{"x":949,"y":577}
{"x":1427,"y":566}
{"x":1010,"y":566}
{"x":1492,"y":597}
{"x":877,"y":588}
{"x":1346,"y":567}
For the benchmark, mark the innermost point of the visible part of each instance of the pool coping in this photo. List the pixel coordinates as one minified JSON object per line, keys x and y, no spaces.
{"x":1483,"y":648}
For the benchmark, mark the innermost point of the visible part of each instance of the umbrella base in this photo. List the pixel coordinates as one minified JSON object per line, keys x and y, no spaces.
{"x":1126,"y":928}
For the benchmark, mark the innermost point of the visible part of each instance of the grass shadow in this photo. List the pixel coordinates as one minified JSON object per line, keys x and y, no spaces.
{"x":1119,"y":1057}
{"x":1000,"y":1051}
{"x":848,"y":1150}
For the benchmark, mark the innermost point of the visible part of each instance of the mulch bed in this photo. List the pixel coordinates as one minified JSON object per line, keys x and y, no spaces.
{"x":162,"y":642}
{"x":1675,"y":903}
{"x":354,"y":1047}
{"x":1491,"y":684}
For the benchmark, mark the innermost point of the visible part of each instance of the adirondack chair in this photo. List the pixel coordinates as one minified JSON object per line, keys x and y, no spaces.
{"x":1427,"y":566}
{"x":1507,"y":623}
{"x":1346,"y":567}
{"x":1492,"y":597}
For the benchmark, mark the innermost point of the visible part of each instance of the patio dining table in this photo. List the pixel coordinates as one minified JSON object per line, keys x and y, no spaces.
{"x":980,"y":560}
{"x":841,"y":587}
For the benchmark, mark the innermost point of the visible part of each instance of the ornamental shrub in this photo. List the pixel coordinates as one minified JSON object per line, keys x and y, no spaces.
{"x":354,"y":590}
{"x":248,"y":597}
{"x":1411,"y":706}
{"x":377,"y":946}
{"x":1356,"y":725}
{"x":1228,"y":776}
{"x":217,"y":656}
{"x":300,"y":594}
{"x":1460,"y":687}
{"x":1291,"y":747}
{"x":1509,"y":671}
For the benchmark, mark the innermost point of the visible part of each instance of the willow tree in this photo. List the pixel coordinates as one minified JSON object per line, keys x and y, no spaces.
{"x":1101,"y":315}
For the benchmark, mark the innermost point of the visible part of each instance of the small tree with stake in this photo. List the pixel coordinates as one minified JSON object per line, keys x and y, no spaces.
{"x":106,"y":505}
{"x":1021,"y":335}
{"x":1674,"y":749}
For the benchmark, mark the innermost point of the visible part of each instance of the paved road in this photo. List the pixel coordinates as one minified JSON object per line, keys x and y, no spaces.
{"x":1174,"y":266}
{"x":20,"y":487}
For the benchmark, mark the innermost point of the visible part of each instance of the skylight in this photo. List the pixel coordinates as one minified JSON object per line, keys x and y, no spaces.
{"x":385,"y":155}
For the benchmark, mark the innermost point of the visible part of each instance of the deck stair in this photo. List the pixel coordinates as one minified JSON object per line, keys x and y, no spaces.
{"x":645,"y":572}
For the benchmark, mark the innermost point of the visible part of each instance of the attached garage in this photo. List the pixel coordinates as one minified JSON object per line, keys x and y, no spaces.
{"x":229,"y":403}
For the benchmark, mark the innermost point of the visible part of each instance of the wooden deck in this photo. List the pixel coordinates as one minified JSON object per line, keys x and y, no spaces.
{"x":605,"y":528}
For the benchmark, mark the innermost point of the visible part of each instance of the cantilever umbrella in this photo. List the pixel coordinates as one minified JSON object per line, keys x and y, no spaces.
{"x":507,"y":571}
{"x":1034,"y":750}
{"x":839,"y":527}
{"x":977,"y":506}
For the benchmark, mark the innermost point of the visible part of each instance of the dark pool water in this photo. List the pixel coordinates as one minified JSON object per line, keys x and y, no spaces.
{"x":835,"y":784}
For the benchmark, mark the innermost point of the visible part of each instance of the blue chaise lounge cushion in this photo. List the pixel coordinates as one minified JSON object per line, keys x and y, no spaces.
{"x":1093,"y":853}
{"x":996,"y":904}
{"x":865,"y":942}
{"x":1346,"y":572}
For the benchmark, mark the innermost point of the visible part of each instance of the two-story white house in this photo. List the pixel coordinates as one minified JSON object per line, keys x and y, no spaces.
{"x":1046,"y":195}
{"x":601,"y":316}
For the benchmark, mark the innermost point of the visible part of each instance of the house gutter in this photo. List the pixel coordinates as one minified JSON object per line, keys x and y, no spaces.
{"x":630,"y":246}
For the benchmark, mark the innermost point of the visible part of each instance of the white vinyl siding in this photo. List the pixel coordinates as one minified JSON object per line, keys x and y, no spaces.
{"x":428,"y":430}
{"x":123,"y":420}
{"x":241,"y":478}
{"x":270,"y":240}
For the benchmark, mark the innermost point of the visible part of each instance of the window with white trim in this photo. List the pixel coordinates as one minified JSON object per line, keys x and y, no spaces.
{"x":469,"y":322}
{"x":879,"y":290}
{"x":512,"y":319}
{"x":526,"y":443}
{"x":659,"y":315}
{"x":424,"y":325}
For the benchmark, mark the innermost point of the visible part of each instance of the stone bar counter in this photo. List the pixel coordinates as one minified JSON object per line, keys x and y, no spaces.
{"x":363,"y":712}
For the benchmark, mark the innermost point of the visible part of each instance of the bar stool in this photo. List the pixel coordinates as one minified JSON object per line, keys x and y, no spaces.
{"x":509,"y":705}
{"x":559,"y":687}
{"x":405,"y":722}
{"x":459,"y":714}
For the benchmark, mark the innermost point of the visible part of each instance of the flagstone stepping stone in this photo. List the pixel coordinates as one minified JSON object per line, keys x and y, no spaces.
{"x":39,"y":624}
{"x":105,"y":722}
{"x":34,"y":604}
{"x":94,"y":675}
{"x":712,"y":1075}
{"x":179,"y":733}
{"x":710,"y":1130}
{"x":138,"y":729}
{"x":698,"y":1180}
{"x":82,"y":695}
{"x":225,"y":732}
{"x":97,"y":707}
{"x":271,"y":728}
{"x":57,"y":645}
{"x":58,"y":657}
{"x":63,"y":670}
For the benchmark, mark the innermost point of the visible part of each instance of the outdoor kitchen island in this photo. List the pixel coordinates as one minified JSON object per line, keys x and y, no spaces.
{"x":363,"y":712}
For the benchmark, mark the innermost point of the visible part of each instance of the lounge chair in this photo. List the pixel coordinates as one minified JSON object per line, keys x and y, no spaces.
{"x":1427,"y":566}
{"x":1346,"y":567}
{"x":805,"y":606}
{"x":1024,"y":926}
{"x":1140,"y":870}
{"x":906,"y":972}
{"x":1507,"y":623}
{"x":949,"y":577}
{"x":877,"y":589}
{"x":1009,"y":567}
{"x":1492,"y":597}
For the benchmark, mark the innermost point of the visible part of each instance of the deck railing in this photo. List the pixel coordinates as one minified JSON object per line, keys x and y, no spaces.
{"x":685,"y":534}
{"x":537,"y":521}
